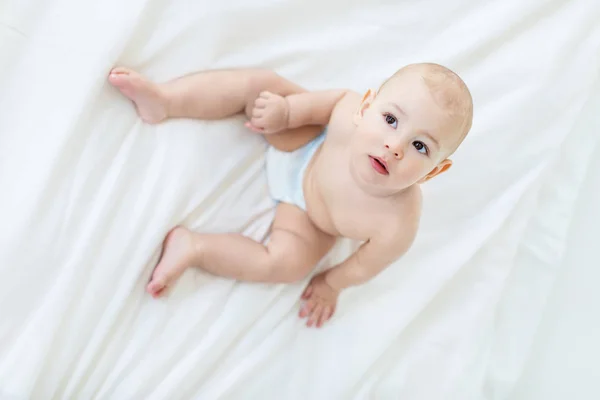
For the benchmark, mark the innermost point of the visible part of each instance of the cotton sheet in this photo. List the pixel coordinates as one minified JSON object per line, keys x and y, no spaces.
{"x":89,"y":191}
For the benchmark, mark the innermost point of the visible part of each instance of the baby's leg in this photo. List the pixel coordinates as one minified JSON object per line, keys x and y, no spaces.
{"x":294,"y":249}
{"x":210,"y":95}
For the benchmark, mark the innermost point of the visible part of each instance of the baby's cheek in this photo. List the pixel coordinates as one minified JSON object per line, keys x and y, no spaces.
{"x":419,"y":167}
{"x":362,"y":140}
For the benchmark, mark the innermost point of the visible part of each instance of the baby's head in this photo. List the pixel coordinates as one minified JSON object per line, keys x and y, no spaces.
{"x":406,"y":131}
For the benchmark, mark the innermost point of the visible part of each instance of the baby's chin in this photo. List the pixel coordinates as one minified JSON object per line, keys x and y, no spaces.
{"x":401,"y":181}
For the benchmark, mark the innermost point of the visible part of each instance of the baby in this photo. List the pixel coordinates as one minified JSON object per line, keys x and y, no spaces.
{"x":339,"y":164}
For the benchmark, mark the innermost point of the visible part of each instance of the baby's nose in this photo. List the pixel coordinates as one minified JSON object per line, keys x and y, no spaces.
{"x":395,"y":150}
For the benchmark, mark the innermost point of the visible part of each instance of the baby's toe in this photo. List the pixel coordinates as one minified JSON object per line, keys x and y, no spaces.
{"x":118,"y":80}
{"x":156,"y":286}
{"x":120,"y":70}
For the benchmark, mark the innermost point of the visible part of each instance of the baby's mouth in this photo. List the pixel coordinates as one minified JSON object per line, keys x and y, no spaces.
{"x":379,"y":165}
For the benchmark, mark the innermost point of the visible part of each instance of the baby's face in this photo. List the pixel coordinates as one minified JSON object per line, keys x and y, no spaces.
{"x":402,"y":137}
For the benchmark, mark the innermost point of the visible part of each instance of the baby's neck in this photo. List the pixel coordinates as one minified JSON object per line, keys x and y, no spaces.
{"x":382,"y":192}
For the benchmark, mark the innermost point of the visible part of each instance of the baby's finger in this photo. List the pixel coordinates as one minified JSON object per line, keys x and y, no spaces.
{"x":253,"y":127}
{"x":259,"y":122}
{"x":307,"y":308}
{"x":325,"y":315}
{"x":257,"y":112}
{"x":314,"y":316}
{"x":260,"y":102}
{"x":265,"y":94}
{"x":307,"y":292}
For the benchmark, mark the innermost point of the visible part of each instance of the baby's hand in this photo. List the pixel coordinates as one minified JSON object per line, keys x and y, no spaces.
{"x":320,"y":301}
{"x":270,"y":114}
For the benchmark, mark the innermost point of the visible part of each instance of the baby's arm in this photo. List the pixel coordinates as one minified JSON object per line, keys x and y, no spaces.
{"x":312,"y":108}
{"x":274,"y":113}
{"x":370,"y":259}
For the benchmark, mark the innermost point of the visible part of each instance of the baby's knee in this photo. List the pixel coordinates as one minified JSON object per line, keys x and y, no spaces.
{"x":288,"y":270}
{"x":296,"y":273}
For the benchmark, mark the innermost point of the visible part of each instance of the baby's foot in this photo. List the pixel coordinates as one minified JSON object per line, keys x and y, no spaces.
{"x":177,"y":254}
{"x":147,"y":97}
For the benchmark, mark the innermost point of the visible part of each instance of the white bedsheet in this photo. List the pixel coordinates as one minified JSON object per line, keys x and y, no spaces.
{"x":88,"y":192}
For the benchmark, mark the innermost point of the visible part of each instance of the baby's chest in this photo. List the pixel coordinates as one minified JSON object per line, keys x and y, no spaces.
{"x":358,"y":217}
{"x":352,"y":225}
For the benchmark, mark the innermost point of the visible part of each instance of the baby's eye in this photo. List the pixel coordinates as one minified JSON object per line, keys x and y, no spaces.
{"x":391,"y":120}
{"x":421,"y":147}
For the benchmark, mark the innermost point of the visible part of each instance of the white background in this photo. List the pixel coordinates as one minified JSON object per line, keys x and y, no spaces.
{"x":488,"y":304}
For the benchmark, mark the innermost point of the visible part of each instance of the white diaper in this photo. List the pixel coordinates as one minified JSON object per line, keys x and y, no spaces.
{"x":285,"y":172}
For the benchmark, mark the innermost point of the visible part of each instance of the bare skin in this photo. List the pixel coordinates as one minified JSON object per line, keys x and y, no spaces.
{"x":363,"y":183}
{"x":211,"y":96}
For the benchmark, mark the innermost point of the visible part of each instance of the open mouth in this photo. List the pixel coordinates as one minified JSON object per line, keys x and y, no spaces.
{"x":379,"y":165}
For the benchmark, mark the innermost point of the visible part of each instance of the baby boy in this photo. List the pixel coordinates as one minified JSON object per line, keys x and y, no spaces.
{"x":339,"y":164}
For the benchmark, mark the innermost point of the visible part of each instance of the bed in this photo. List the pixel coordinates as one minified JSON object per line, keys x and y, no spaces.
{"x":89,"y":192}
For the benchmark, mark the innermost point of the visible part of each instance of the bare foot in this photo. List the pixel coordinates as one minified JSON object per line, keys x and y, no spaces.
{"x":178,"y":253}
{"x":149,"y":101}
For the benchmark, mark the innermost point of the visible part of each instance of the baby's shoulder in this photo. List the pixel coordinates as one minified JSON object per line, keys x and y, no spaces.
{"x":341,"y":120}
{"x":348,"y":103}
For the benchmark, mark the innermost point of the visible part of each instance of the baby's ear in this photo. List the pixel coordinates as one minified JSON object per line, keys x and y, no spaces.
{"x":365,"y":103}
{"x":441,"y":167}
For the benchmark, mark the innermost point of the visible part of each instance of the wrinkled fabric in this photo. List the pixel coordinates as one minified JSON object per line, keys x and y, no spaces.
{"x":89,"y":191}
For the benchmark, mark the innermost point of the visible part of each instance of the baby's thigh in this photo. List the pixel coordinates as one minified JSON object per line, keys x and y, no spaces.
{"x":296,"y":244}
